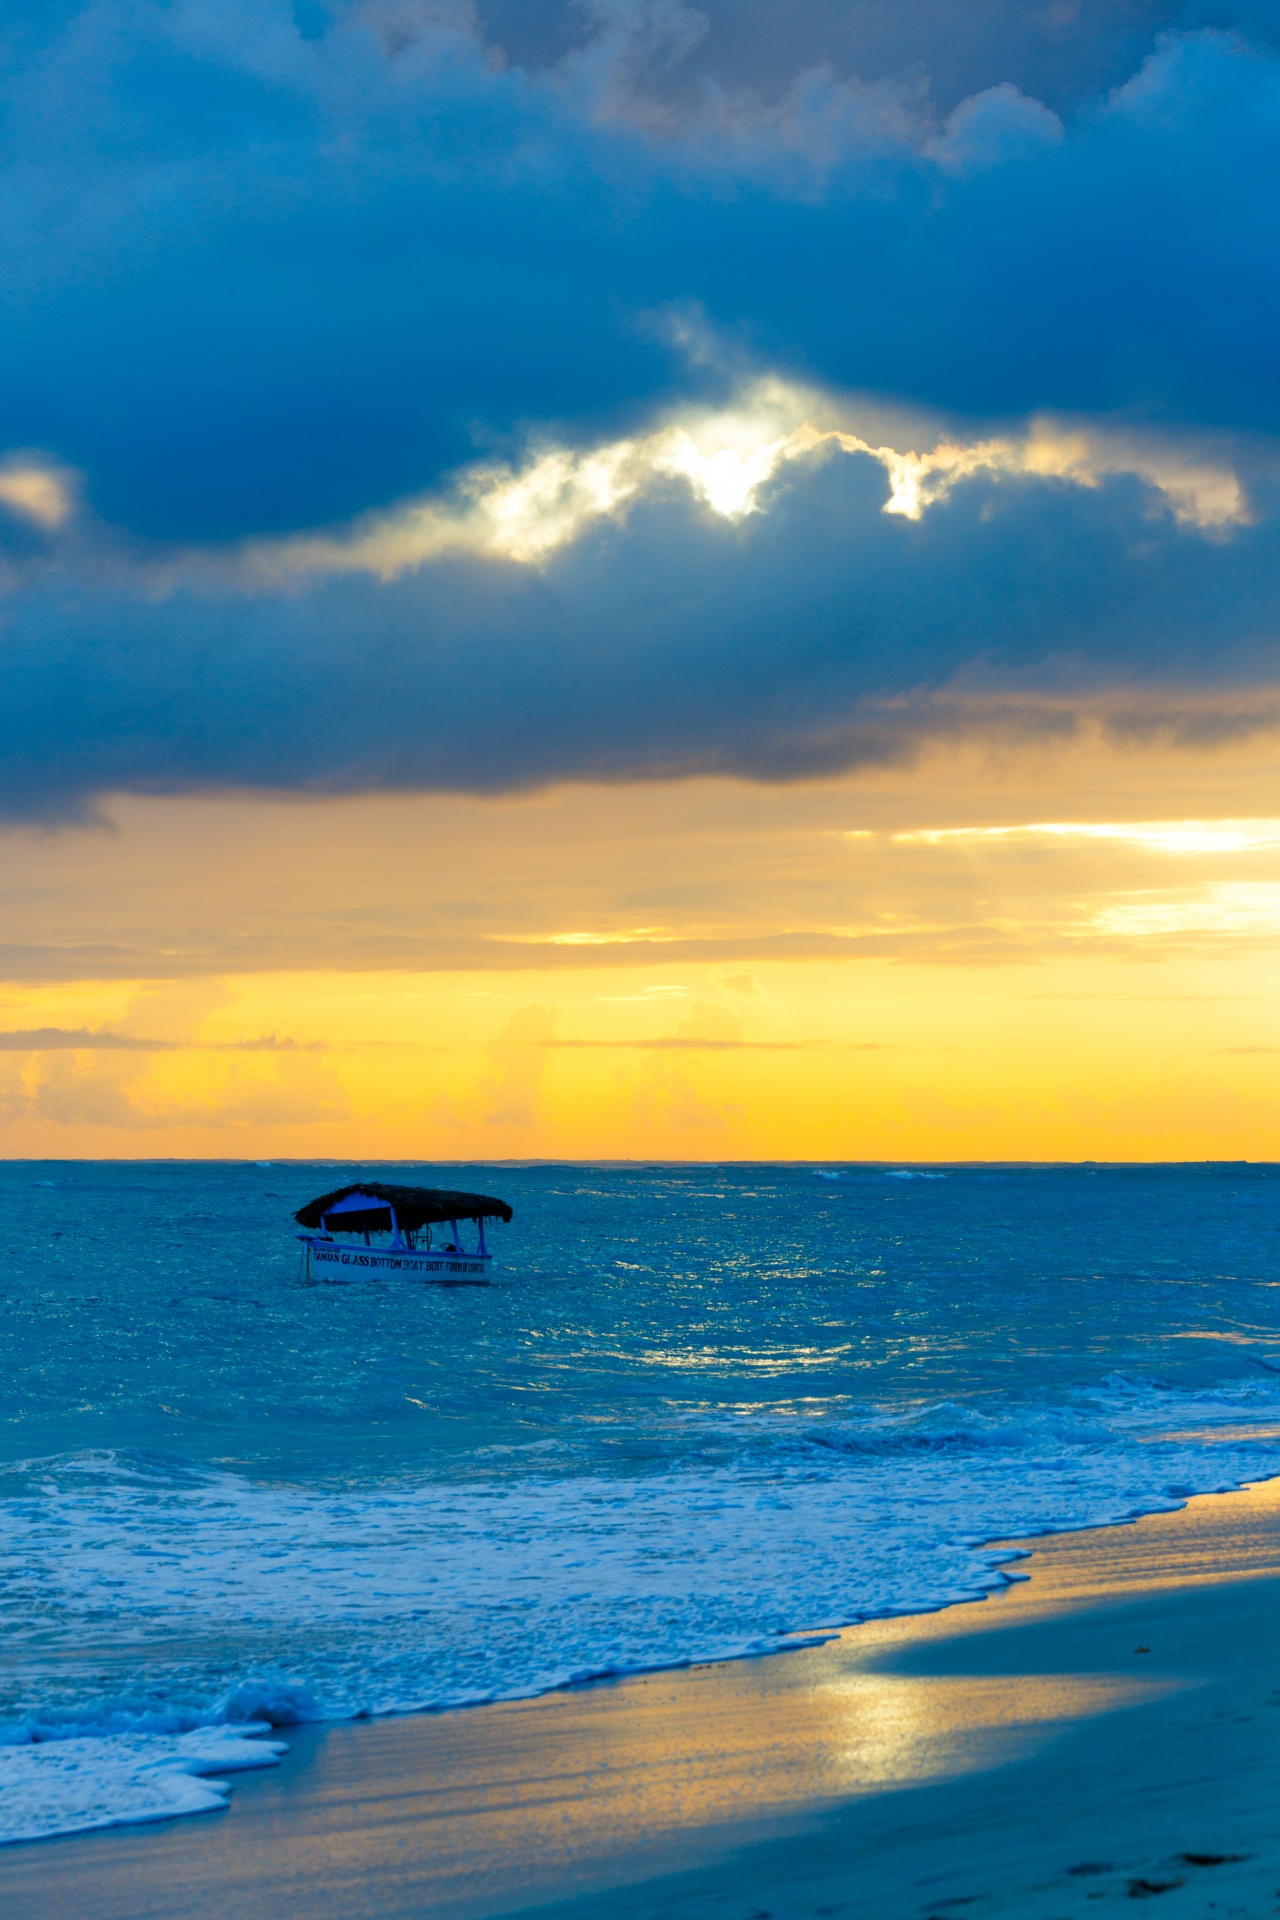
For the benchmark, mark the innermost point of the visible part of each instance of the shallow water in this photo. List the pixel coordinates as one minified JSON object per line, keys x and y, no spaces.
{"x":700,"y":1410}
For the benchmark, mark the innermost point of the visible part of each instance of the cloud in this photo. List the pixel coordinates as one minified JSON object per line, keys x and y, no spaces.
{"x":97,"y":1040}
{"x":35,"y":492}
{"x":1154,"y":836}
{"x":71,"y":1079}
{"x":726,"y":457}
{"x":512,"y":1090}
{"x":678,"y":1043}
{"x":261,"y":280}
{"x":1228,"y":907}
{"x":670,"y":60}
{"x":798,"y":603}
{"x":411,"y":419}
{"x":993,"y":127}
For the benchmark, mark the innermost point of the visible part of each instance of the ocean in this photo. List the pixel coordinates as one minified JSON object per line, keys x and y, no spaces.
{"x":701,"y":1412}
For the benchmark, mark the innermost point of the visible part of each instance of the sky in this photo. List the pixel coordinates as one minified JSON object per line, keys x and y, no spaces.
{"x":610,"y":578}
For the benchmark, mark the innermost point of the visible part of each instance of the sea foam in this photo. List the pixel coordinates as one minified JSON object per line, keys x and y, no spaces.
{"x":238,"y":1605}
{"x":119,"y":1777}
{"x":706,"y":1411}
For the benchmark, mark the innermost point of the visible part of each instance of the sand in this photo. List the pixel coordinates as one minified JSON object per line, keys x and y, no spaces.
{"x":1108,"y":1730}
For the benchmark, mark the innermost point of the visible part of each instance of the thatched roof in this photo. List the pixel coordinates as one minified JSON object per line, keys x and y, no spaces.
{"x":415,"y":1206}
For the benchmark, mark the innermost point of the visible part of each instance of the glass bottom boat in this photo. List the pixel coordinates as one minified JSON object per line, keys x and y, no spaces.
{"x":404,"y":1230}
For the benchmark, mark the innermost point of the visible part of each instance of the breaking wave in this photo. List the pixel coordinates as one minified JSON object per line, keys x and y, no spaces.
{"x":233,"y":1606}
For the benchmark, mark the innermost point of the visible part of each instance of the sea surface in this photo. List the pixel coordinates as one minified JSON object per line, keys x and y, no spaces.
{"x":701,"y":1412}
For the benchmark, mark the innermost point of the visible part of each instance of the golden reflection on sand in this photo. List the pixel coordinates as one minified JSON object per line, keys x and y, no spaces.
{"x":904,"y":1729}
{"x":654,"y":1765}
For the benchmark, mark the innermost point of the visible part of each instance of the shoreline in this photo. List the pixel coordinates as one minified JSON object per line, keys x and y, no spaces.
{"x":699,"y":1788}
{"x":163,"y":1757}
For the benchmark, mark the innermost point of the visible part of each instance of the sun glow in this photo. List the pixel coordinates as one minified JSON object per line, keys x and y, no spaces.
{"x":1232,"y":907}
{"x":1155,"y":836}
{"x":619,"y":937}
{"x":726,"y":459}
{"x":747,"y":980}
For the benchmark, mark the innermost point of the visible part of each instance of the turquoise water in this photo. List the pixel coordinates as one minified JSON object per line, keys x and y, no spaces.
{"x":699,"y":1411}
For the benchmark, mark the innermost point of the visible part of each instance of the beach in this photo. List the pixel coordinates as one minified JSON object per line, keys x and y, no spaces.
{"x":639,"y":1120}
{"x":1104,"y":1729}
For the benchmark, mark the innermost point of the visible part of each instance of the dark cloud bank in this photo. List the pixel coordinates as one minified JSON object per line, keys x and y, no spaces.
{"x":268,"y":268}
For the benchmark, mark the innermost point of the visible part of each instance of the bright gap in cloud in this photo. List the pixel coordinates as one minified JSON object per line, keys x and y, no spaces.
{"x":646,"y":998}
{"x":1239,"y":907}
{"x":726,"y":458}
{"x":651,"y":935}
{"x":1156,"y":836}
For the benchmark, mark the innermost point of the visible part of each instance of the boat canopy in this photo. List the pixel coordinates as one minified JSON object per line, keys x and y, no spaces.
{"x":367,"y":1208}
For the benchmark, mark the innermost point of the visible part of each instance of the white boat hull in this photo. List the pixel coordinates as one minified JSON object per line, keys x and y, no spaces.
{"x":328,"y":1260}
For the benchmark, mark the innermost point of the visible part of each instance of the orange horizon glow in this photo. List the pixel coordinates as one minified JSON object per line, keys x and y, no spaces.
{"x":1061,"y":958}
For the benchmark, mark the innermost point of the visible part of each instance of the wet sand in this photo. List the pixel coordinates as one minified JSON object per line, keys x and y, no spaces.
{"x":1113,"y":1714}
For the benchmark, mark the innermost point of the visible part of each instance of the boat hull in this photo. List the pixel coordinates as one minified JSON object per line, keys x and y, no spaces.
{"x":328,"y":1260}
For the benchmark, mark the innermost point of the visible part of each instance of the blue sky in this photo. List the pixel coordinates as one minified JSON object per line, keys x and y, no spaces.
{"x":288,"y":285}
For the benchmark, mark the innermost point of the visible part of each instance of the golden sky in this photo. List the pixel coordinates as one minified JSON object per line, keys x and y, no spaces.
{"x":1059,"y":952}
{"x":872,"y":642}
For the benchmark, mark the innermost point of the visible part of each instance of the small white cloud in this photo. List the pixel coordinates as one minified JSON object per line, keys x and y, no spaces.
{"x":992,"y":127}
{"x":38,"y":493}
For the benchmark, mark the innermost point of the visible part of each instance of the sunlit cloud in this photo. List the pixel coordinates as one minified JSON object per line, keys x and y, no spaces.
{"x":105,"y":1040}
{"x":684,"y":1043}
{"x":726,"y":459}
{"x":1239,"y":907}
{"x":621,"y":937}
{"x":1155,"y":836}
{"x":1199,"y":493}
{"x":525,"y":515}
{"x":647,"y":998}
{"x":38,"y":493}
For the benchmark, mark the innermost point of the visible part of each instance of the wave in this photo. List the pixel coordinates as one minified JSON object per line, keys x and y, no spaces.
{"x":165,"y":1619}
{"x":122,"y":1778}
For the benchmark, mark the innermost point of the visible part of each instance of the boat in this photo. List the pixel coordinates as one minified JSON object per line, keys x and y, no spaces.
{"x":396,"y":1226}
